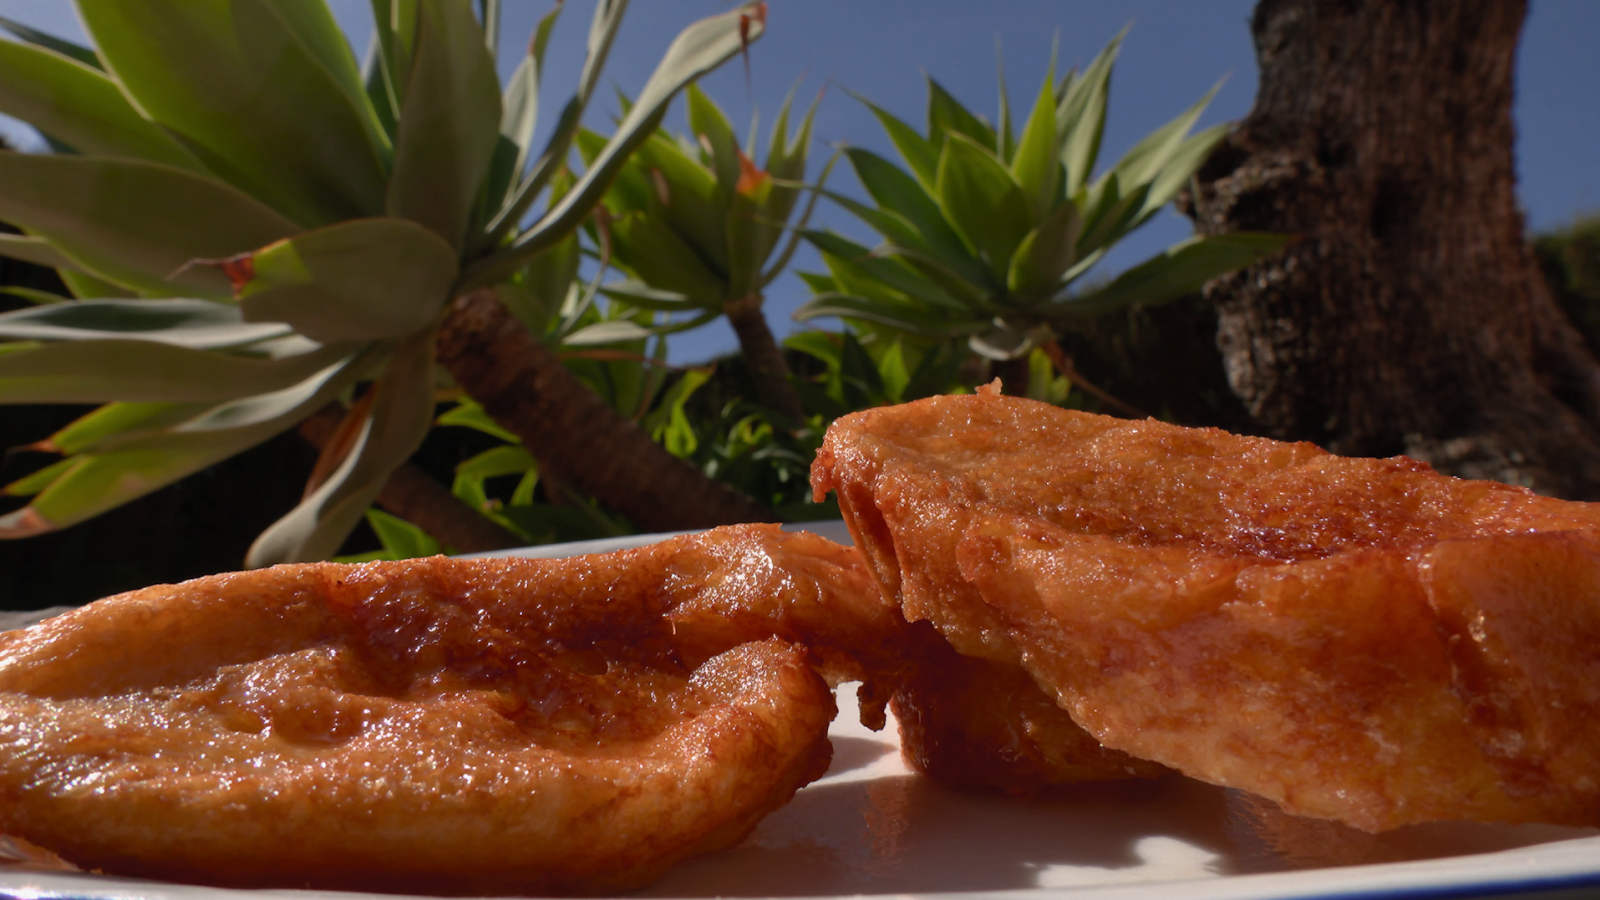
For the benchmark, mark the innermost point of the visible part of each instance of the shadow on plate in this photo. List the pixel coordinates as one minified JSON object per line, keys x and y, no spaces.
{"x":902,"y":834}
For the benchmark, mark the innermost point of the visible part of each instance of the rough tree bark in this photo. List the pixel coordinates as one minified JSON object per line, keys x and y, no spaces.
{"x":523,"y":385}
{"x":1411,"y":317}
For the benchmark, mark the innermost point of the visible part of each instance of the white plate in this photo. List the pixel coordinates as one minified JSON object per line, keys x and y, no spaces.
{"x":871,"y":827}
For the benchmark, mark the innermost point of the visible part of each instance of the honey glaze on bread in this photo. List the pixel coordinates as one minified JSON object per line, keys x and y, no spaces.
{"x":1354,"y":639}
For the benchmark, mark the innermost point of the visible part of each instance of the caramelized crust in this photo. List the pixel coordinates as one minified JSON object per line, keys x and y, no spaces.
{"x":1356,"y":639}
{"x":436,"y":726}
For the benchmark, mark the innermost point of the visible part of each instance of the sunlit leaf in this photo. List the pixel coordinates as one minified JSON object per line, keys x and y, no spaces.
{"x":700,"y":48}
{"x":80,"y":106}
{"x":684,"y":195}
{"x":546,"y":280}
{"x":33,"y":295}
{"x":1036,"y":166}
{"x":468,"y":414}
{"x":1003,"y":342}
{"x":1045,"y":254}
{"x":73,"y":51}
{"x":401,"y":539}
{"x":498,"y":462}
{"x":919,"y":152}
{"x":644,"y":296}
{"x":959,"y":276}
{"x":1182,"y":269}
{"x":602,"y":333}
{"x":135,"y":223}
{"x":1081,"y":116}
{"x":365,"y":279}
{"x":664,"y":260}
{"x":1145,"y":160}
{"x":903,"y":318}
{"x":402,"y":412}
{"x":946,"y":116}
{"x":898,"y":192}
{"x":891,"y":365}
{"x":520,"y":115}
{"x":120,"y":421}
{"x":103,"y":371}
{"x":892,"y":273}
{"x":265,"y":92}
{"x":1113,"y":219}
{"x":34,"y":482}
{"x":707,"y":121}
{"x":98,"y":482}
{"x":197,"y":324}
{"x":982,"y":200}
{"x":1180,"y":165}
{"x":90,"y":287}
{"x":449,"y":123}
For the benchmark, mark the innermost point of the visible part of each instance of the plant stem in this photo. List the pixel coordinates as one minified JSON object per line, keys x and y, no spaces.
{"x":1063,"y":364}
{"x":522,"y":384}
{"x":769,"y":372}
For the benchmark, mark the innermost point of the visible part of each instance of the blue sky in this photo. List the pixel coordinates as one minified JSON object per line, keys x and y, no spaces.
{"x":1175,"y":51}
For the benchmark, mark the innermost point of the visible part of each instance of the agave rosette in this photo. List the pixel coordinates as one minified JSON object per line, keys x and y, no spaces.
{"x":253,"y":225}
{"x":695,"y":221}
{"x":988,"y":234}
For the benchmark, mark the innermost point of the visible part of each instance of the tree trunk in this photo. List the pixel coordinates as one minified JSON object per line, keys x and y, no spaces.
{"x":520,"y":382}
{"x":1411,"y":316}
{"x":769,"y":372}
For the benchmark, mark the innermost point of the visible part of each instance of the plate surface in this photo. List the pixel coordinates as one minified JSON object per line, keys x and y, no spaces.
{"x":871,"y":827}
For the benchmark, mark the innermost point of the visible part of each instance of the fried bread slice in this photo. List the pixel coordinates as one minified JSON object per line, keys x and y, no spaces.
{"x":1354,"y":639}
{"x":437,"y":725}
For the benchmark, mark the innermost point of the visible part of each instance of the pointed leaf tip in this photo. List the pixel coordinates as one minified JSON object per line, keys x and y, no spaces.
{"x":751,"y":177}
{"x":240,"y":269}
{"x":24,"y":523}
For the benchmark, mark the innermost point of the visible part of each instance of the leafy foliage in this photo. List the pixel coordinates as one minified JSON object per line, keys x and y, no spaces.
{"x":304,"y":221}
{"x":1570,"y":259}
{"x":696,"y":222}
{"x":989,"y":233}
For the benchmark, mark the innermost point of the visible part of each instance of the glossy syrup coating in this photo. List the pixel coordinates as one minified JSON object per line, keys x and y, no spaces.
{"x":1355,"y":639}
{"x":434,"y":726}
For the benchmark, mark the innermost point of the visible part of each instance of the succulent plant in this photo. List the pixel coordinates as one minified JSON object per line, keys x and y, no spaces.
{"x":254,"y":225}
{"x":988,"y":234}
{"x":696,"y":223}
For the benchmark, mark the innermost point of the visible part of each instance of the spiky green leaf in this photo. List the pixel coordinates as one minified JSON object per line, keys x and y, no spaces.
{"x":1045,"y":255}
{"x":1081,"y":116}
{"x":1037,"y":165}
{"x":265,"y":92}
{"x":946,"y":116}
{"x":97,"y":482}
{"x":401,"y":414}
{"x":103,"y":371}
{"x":196,"y":324}
{"x":81,"y":107}
{"x":700,"y":48}
{"x":73,"y":51}
{"x":367,"y":279}
{"x":449,"y":124}
{"x":1183,"y":268}
{"x":136,"y":223}
{"x":982,"y":200}
{"x":708,"y":123}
